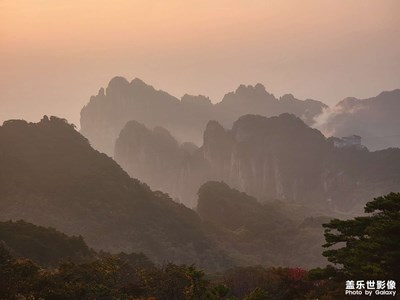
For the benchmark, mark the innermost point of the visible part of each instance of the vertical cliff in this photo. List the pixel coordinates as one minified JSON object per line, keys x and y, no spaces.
{"x":268,"y":158}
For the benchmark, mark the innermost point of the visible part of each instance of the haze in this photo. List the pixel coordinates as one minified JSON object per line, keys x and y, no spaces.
{"x":55,"y":54}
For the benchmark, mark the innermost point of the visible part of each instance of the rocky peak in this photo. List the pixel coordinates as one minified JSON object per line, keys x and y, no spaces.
{"x":199,"y":100}
{"x":132,"y":127}
{"x":217,"y":143}
{"x":348,"y":102}
{"x":248,"y":90}
{"x":117,"y":86}
{"x":214,"y":131}
{"x":248,"y":93}
{"x":138,"y":84}
{"x":101,"y":93}
{"x":394,"y":93}
{"x":287,"y":98}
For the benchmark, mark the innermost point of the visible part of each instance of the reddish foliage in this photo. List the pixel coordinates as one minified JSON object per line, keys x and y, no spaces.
{"x":297,"y":274}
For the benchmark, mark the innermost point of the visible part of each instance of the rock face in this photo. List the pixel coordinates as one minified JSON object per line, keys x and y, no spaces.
{"x":278,"y":157}
{"x":268,"y":158}
{"x":273,"y":158}
{"x":152,"y":156}
{"x":107,"y":113}
{"x":375,"y":119}
{"x":50,"y":176}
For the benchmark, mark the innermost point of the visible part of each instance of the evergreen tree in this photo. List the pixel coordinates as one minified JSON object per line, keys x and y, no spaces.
{"x":370,"y":244}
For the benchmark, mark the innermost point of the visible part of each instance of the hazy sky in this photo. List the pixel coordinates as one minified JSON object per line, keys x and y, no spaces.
{"x":55,"y":54}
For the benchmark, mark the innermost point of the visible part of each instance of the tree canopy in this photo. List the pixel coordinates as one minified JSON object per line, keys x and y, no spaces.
{"x":367,"y":247}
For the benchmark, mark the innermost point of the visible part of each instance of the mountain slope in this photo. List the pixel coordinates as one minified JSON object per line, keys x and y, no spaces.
{"x":259,"y":234}
{"x":51,"y":176}
{"x":45,"y":246}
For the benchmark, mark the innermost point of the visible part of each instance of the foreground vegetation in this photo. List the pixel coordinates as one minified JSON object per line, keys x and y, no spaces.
{"x":366,"y":247}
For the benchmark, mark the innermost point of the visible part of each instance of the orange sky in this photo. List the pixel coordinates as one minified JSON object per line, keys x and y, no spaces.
{"x":54,"y":54}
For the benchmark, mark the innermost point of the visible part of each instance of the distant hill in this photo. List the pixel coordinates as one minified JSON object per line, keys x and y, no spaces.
{"x":256,"y":100}
{"x":259,"y":234}
{"x":268,"y":158}
{"x":107,"y":113}
{"x":50,"y":176}
{"x":45,"y":246}
{"x":375,"y":119}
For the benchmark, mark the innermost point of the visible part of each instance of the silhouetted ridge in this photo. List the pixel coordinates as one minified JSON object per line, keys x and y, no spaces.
{"x":118,"y":87}
{"x":137,"y":82}
{"x":200,"y":100}
{"x":248,"y":92}
{"x":107,"y":113}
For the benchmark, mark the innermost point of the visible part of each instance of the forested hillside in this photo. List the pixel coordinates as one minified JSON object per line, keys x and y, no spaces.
{"x":45,"y":246}
{"x":51,"y":176}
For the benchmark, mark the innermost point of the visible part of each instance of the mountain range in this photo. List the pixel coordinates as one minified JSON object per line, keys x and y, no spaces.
{"x":107,"y":113}
{"x":245,"y":181}
{"x":51,"y":176}
{"x":103,"y":118}
{"x":276,"y":158}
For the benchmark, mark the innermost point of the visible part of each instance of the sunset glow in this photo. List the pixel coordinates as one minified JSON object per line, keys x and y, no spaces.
{"x":317,"y":49}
